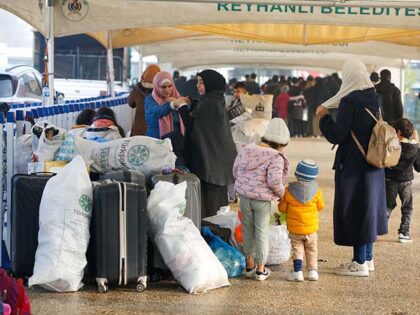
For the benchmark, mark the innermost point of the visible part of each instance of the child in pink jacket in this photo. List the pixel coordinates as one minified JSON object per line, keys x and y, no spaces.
{"x":260,"y":172}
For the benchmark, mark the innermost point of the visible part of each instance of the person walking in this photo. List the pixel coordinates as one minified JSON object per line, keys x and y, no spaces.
{"x":390,"y":97}
{"x":360,"y":200}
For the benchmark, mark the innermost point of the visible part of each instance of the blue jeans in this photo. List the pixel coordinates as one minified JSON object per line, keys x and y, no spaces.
{"x":255,"y":228}
{"x":362,"y":253}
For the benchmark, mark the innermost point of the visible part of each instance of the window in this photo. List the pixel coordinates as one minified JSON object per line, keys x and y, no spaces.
{"x":6,"y":86}
{"x":29,"y":86}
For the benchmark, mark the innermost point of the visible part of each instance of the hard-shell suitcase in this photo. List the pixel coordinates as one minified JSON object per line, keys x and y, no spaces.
{"x":119,"y":235}
{"x":125,"y":175}
{"x":26,"y":197}
{"x":192,"y":194}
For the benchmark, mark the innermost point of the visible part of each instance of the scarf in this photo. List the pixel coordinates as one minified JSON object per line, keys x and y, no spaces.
{"x":165,"y":123}
{"x":355,"y":77}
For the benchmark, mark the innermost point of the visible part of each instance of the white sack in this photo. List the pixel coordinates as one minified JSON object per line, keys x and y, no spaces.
{"x":43,"y":147}
{"x":279,"y":245}
{"x":249,"y":131}
{"x":146,"y":154}
{"x":261,"y":105}
{"x":183,"y":250}
{"x":64,"y":218}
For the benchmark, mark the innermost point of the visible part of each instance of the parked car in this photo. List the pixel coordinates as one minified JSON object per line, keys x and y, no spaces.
{"x":20,"y":84}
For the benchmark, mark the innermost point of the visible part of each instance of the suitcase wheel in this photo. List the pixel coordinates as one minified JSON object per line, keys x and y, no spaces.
{"x":102,"y":288}
{"x":140,"y":287}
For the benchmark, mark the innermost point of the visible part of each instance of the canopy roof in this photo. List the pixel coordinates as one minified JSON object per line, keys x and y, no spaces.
{"x":295,"y":23}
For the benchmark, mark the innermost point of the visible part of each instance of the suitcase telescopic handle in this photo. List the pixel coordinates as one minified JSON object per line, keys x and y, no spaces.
{"x":43,"y":174}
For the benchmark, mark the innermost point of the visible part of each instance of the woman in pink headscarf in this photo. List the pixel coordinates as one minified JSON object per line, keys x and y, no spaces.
{"x":161,"y":107}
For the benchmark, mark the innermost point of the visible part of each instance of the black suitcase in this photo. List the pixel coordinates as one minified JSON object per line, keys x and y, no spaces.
{"x":192,"y":194}
{"x":26,"y":197}
{"x":125,"y":175}
{"x":118,"y":244}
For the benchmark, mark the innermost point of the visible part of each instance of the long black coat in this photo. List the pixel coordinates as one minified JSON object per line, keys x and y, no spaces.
{"x":210,"y":149}
{"x":360,"y":199}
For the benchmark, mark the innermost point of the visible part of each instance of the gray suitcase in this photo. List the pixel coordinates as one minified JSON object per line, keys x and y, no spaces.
{"x":193,"y":193}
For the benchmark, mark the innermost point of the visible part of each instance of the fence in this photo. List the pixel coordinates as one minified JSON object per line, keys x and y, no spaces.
{"x":64,"y":116}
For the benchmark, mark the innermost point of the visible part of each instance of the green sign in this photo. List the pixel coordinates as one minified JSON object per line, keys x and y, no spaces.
{"x":307,"y":9}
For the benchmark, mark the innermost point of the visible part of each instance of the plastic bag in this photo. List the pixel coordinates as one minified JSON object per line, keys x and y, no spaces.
{"x":46,"y":140}
{"x":183,"y":250}
{"x":279,"y":245}
{"x":23,"y":154}
{"x":229,"y":220}
{"x":261,"y":105}
{"x":232,"y":260}
{"x":14,"y":294}
{"x":68,"y":150}
{"x":64,"y":218}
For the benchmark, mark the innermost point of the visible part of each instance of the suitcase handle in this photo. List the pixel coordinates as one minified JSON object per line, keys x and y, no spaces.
{"x":43,"y":173}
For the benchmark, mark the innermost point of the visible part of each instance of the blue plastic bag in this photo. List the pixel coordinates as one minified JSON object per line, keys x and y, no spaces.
{"x":231,"y":258}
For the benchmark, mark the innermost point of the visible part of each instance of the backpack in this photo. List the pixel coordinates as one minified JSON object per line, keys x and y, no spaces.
{"x":14,"y":294}
{"x":384,"y":148}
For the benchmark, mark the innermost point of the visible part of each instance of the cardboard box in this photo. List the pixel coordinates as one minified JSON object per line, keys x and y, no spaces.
{"x":46,"y":166}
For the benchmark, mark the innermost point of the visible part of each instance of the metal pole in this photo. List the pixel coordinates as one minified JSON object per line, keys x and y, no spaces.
{"x":140,"y":50}
{"x":110,"y":61}
{"x":50,"y":47}
{"x":402,"y":83}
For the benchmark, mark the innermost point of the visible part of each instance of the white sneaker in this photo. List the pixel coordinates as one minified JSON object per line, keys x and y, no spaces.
{"x":313,"y":275}
{"x":402,"y":238}
{"x":353,"y":269}
{"x":250,"y":273}
{"x":295,"y":276}
{"x":261,"y":276}
{"x":370,"y":264}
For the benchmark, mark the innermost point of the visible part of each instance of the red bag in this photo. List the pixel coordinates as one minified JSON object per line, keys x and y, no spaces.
{"x":14,"y":294}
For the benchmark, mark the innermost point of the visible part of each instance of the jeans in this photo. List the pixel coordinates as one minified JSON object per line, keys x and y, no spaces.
{"x":255,"y":228}
{"x":403,"y":190}
{"x":361,"y":253}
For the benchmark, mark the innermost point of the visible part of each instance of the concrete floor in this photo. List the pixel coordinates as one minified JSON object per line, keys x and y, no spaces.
{"x":393,"y":288}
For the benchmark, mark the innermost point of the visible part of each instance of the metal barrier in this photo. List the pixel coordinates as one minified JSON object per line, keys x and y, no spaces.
{"x":64,"y":116}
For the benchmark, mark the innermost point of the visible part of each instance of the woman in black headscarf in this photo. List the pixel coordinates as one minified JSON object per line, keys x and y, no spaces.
{"x":210,"y":150}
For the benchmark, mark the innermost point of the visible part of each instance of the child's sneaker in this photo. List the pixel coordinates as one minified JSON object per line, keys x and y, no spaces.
{"x":404,"y":238}
{"x":261,"y":276}
{"x":295,"y":276}
{"x":371,"y":265}
{"x":313,"y":275}
{"x":353,"y":269}
{"x":250,"y":272}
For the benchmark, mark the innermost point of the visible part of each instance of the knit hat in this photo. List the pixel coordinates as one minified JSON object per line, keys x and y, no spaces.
{"x":277,"y":132}
{"x":306,"y":170}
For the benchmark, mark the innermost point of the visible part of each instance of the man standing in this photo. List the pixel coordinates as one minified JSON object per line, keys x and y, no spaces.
{"x":390,"y":98}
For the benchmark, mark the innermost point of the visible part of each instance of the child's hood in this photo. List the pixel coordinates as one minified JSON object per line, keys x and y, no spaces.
{"x":302,"y":191}
{"x":258,"y":155}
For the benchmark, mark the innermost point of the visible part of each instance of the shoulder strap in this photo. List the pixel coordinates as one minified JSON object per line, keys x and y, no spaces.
{"x":373,"y":116}
{"x":359,"y":146}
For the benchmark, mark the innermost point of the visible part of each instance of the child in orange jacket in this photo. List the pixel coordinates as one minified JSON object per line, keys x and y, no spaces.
{"x":301,"y":202}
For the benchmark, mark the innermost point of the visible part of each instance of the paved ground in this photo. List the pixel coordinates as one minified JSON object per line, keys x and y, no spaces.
{"x":393,"y":288}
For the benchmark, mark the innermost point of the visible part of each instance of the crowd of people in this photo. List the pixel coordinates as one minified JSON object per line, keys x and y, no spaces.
{"x":336,"y":108}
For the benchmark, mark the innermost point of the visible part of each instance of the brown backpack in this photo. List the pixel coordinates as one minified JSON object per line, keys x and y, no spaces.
{"x":384,"y":148}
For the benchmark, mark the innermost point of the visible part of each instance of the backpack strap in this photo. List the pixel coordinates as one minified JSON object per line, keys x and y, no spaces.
{"x":373,"y":116}
{"x":359,"y":146}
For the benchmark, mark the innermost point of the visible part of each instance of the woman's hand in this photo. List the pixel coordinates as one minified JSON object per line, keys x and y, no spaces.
{"x":321,"y":111}
{"x":181,"y":101}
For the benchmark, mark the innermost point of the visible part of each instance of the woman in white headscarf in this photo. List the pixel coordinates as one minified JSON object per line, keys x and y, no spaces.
{"x":360,"y":200}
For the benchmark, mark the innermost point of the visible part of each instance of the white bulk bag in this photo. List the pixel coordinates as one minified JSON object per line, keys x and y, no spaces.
{"x":146,"y":154}
{"x":183,"y":250}
{"x":64,"y":218}
{"x":279,"y":245}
